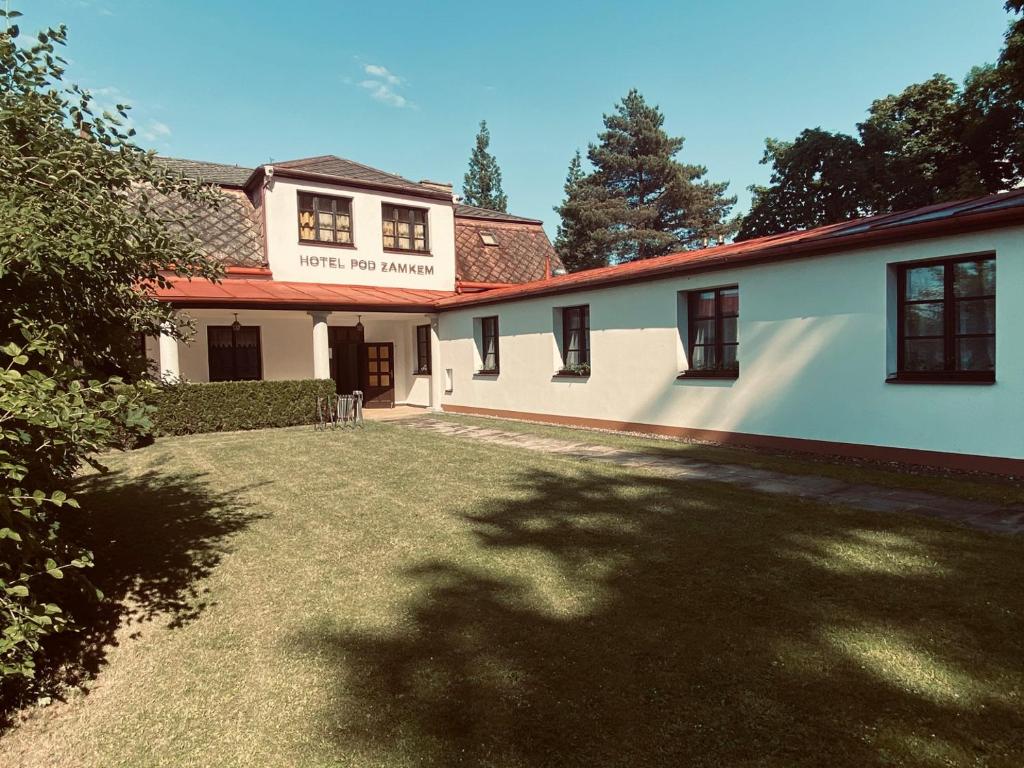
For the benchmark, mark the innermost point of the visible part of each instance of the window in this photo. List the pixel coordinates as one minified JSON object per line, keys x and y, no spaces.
{"x":576,"y":340}
{"x":712,"y":319}
{"x":423,"y":349}
{"x":488,"y":238}
{"x":489,"y":355}
{"x":234,"y":354}
{"x":324,"y":219}
{"x":405,"y":229}
{"x":947,"y":320}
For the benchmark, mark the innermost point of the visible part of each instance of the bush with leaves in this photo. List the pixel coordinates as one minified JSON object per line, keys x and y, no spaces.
{"x":83,"y":241}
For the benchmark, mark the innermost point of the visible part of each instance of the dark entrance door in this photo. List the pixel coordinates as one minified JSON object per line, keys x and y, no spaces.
{"x":377,"y":374}
{"x":344,"y":342}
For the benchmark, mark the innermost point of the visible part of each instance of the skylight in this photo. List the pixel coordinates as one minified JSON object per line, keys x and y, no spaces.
{"x":488,"y":238}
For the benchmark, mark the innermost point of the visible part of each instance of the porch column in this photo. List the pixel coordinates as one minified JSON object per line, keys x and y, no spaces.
{"x":170,"y":369}
{"x":436,"y":367}
{"x":321,"y":346}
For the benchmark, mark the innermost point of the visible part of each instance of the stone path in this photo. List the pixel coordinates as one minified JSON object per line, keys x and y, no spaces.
{"x":984,"y":515}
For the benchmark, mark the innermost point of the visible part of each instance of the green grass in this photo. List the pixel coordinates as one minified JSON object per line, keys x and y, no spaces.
{"x":391,"y":597}
{"x":998,"y":490}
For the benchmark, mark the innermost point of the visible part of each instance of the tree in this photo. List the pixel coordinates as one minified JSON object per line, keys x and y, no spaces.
{"x":818,"y":178}
{"x":640,"y":201}
{"x":932,"y":142}
{"x":481,"y":186}
{"x":573,"y":241}
{"x":82,"y":244}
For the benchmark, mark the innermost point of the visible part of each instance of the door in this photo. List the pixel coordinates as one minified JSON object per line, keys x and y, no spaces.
{"x":377,"y":374}
{"x":344,"y":342}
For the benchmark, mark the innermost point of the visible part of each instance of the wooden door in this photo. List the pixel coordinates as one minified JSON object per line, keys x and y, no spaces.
{"x":377,"y":374}
{"x":345,"y":342}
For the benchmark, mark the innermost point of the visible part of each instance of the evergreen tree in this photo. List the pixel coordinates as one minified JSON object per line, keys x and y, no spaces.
{"x":573,"y":242}
{"x":481,"y":186}
{"x":640,"y":201}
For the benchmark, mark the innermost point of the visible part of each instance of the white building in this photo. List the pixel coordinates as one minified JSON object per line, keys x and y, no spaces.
{"x":879,"y":338}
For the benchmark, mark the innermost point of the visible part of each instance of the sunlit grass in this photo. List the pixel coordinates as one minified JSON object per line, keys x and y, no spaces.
{"x":391,"y":597}
{"x":998,"y":490}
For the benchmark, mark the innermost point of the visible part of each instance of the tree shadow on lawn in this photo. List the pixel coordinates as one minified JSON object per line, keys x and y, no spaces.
{"x":639,"y":621}
{"x":155,"y":538}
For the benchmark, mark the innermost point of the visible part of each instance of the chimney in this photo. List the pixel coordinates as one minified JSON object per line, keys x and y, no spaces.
{"x":438,"y":186}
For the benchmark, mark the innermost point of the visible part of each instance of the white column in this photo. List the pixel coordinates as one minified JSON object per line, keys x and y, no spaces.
{"x":436,"y":367}
{"x":170,"y":369}
{"x":321,"y":346}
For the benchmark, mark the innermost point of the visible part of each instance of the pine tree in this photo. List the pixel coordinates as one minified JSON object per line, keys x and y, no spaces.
{"x":573,"y":242}
{"x":640,"y":201}
{"x":481,"y":186}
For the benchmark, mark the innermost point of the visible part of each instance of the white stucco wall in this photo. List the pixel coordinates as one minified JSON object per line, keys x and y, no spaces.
{"x":286,"y":340}
{"x":814,"y":352}
{"x":366,"y":263}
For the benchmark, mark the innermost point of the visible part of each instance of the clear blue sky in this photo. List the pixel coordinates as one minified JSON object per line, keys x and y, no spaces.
{"x":402,"y":86}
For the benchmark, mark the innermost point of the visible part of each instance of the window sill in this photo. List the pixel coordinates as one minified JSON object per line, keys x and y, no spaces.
{"x":325,"y":244}
{"x":984,"y":380}
{"x":421,"y":373}
{"x":571,"y":375}
{"x":489,"y":374}
{"x":691,"y":374}
{"x":407,"y":252}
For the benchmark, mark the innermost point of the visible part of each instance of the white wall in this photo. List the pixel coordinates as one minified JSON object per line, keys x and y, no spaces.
{"x":286,"y":340}
{"x":366,"y":263}
{"x":814,"y":352}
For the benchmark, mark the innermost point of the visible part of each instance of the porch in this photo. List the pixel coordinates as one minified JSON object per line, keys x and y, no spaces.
{"x":386,"y":355}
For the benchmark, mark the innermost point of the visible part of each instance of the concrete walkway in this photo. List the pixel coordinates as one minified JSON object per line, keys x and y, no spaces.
{"x":979,"y":514}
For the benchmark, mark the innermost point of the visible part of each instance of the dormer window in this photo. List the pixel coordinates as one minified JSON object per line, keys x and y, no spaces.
{"x":488,"y":238}
{"x":325,"y":219}
{"x":405,"y":229}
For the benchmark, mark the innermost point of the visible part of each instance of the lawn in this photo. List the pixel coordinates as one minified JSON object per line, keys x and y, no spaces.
{"x":975,"y":487}
{"x":391,"y":597}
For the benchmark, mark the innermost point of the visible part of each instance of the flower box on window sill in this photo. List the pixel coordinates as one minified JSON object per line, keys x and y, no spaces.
{"x":576,"y":371}
{"x":942,"y":377}
{"x":715,"y":373}
{"x":487,"y":372}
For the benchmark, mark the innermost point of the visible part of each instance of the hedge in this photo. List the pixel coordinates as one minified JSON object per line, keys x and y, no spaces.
{"x":190,"y":408}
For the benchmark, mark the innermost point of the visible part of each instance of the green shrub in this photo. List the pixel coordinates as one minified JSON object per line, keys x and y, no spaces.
{"x":190,"y":408}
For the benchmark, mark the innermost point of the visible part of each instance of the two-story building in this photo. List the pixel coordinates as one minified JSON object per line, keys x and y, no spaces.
{"x":334,"y":270}
{"x":894,"y":337}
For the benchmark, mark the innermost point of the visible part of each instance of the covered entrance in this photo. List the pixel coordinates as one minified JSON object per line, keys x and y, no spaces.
{"x":366,"y":366}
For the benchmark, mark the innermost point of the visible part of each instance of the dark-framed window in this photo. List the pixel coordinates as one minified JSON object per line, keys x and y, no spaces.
{"x":712,"y":331}
{"x":423,"y":349}
{"x":234,"y":354}
{"x":576,"y":339}
{"x":325,"y":219}
{"x":489,"y":345}
{"x":405,"y":229}
{"x":947,"y":320}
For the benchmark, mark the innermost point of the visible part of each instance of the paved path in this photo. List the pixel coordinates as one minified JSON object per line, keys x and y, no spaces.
{"x":979,"y":514}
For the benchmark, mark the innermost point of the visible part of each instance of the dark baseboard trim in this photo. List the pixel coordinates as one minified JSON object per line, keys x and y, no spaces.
{"x":967,"y":462}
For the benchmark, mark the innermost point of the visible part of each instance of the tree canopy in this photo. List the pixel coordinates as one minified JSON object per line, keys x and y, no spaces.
{"x":932,"y":142}
{"x":639,"y":201}
{"x":481,"y":186}
{"x":82,"y":242}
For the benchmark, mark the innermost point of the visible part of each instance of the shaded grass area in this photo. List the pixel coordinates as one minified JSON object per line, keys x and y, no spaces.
{"x":961,"y":485}
{"x":394,"y":598}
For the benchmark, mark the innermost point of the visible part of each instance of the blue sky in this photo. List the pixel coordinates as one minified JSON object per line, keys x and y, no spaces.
{"x":402,"y":86}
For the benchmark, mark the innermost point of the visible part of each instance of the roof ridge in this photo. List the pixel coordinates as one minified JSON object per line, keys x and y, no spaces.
{"x":204,"y":162}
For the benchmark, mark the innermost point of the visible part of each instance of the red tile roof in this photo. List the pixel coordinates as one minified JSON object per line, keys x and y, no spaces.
{"x":256,"y":293}
{"x":522,"y":252}
{"x":986,"y":212}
